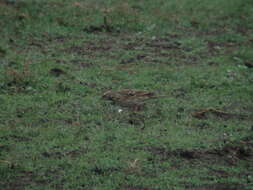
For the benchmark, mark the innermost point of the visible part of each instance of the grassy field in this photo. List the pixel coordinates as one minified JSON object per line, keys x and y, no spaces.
{"x":126,"y":95}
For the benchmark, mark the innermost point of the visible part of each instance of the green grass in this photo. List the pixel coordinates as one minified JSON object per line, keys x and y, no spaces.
{"x":59,"y":58}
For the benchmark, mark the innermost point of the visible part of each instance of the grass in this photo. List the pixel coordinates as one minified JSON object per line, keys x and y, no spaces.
{"x":126,"y":95}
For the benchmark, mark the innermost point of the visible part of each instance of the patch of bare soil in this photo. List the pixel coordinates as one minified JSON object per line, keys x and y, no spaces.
{"x":5,"y":148}
{"x":137,"y":58}
{"x":21,"y":181}
{"x":101,"y":28}
{"x":164,"y":43}
{"x":242,"y":29}
{"x":91,"y":48}
{"x":137,"y":187}
{"x":217,"y":186}
{"x":104,"y":171}
{"x":203,"y":114}
{"x":57,"y":72}
{"x":71,"y":153}
{"x":248,"y":64}
{"x":166,"y":47}
{"x":58,"y":155}
{"x":7,"y":2}
{"x":136,"y":119}
{"x":2,"y":52}
{"x":161,"y":49}
{"x":242,"y":149}
{"x":154,"y":49}
{"x":76,"y":63}
{"x":81,"y":63}
{"x":105,"y":27}
{"x":164,"y":154}
{"x":57,"y":38}
{"x":216,"y":31}
{"x":216,"y":47}
{"x":16,"y":138}
{"x":230,"y":153}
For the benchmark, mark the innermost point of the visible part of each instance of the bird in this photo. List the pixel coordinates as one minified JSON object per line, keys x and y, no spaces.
{"x":130,"y":98}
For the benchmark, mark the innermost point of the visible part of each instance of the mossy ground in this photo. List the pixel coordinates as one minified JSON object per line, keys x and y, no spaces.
{"x":180,"y":111}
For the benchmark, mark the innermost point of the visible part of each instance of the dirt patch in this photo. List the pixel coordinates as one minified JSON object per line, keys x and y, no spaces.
{"x":91,"y":48}
{"x":133,"y":59}
{"x":137,"y":187}
{"x":221,"y":173}
{"x":17,"y":138}
{"x":3,"y":52}
{"x":242,"y":29}
{"x":136,"y":119}
{"x":7,"y":2}
{"x":59,"y":38}
{"x":89,"y":84}
{"x":22,"y":180}
{"x":105,"y":27}
{"x":19,"y":183}
{"x":164,"y":154}
{"x":230,"y":153}
{"x":157,"y":51}
{"x":248,"y":64}
{"x":131,"y":43}
{"x":221,"y":186}
{"x":57,"y":72}
{"x":104,"y":171}
{"x":76,"y":63}
{"x":81,"y":63}
{"x":60,"y":155}
{"x":4,"y":148}
{"x":216,"y":48}
{"x":101,"y":28}
{"x":203,"y":114}
{"x":213,"y":63}
{"x":127,"y":61}
{"x":163,"y":50}
{"x":164,"y":43}
{"x":242,"y":149}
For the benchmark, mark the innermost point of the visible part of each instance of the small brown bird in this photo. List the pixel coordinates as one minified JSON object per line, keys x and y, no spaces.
{"x":129,"y":98}
{"x":128,"y":95}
